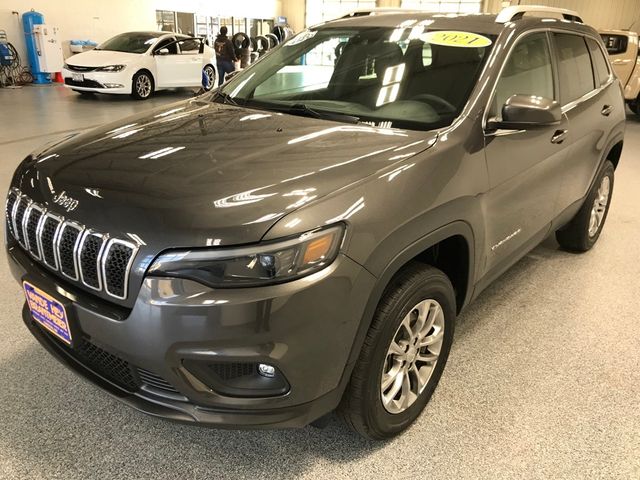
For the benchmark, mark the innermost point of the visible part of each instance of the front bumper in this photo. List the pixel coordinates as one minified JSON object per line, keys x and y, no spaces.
{"x":304,"y":328}
{"x":100,"y":82}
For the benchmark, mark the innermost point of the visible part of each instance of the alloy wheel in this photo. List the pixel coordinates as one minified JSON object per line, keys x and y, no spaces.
{"x":412,"y":356}
{"x":211,"y":77}
{"x":599,"y":206}
{"x":143,"y":86}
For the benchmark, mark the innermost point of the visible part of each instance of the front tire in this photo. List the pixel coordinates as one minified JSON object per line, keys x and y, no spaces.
{"x":142,"y":85}
{"x":583,"y":231}
{"x":212,"y":79}
{"x":404,"y":354}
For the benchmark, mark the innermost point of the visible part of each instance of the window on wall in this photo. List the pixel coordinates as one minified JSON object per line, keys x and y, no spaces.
{"x":186,"y":23}
{"x":445,"y":6}
{"x":319,"y":11}
{"x":166,"y":20}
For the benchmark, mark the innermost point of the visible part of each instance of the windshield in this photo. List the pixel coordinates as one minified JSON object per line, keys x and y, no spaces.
{"x":409,"y":78}
{"x":130,"y":42}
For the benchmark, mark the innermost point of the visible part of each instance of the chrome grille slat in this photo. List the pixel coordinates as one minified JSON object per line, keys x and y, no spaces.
{"x":48,"y":238}
{"x":12,"y":198}
{"x":33,"y":217}
{"x":18,"y":220}
{"x":67,"y":248}
{"x":14,"y":212}
{"x":78,"y":253}
{"x":89,"y":266}
{"x":111,"y":259}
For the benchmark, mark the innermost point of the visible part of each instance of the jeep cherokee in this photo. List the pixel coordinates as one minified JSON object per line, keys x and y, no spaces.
{"x":301,"y":240}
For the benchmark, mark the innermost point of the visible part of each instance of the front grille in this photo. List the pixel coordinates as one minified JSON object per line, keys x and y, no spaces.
{"x":85,"y":83}
{"x":80,"y":254}
{"x":106,"y":364}
{"x":77,"y":68}
{"x":156,"y":381}
{"x":110,"y":366}
{"x":233,"y":370}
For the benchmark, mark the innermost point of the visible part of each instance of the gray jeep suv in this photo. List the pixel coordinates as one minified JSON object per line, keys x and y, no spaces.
{"x":302,"y":239}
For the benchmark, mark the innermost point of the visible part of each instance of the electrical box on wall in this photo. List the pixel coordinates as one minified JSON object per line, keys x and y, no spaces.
{"x":49,"y":48}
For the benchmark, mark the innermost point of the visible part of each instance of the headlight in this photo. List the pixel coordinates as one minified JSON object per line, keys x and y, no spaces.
{"x":111,"y":68}
{"x":259,"y":265}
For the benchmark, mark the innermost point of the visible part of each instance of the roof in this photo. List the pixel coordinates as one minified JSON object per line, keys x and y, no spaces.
{"x":393,"y":19}
{"x":475,"y":22}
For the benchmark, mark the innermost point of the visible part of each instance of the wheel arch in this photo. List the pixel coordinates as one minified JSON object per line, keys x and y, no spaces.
{"x":145,"y":70}
{"x":447,"y":248}
{"x":615,"y":152}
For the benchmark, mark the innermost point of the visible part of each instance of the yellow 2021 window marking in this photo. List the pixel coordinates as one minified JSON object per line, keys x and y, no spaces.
{"x":452,"y":38}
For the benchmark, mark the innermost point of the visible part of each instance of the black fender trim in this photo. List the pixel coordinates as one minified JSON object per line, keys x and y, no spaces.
{"x":456,"y":228}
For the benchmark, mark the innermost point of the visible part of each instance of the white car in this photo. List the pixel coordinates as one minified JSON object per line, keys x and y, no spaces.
{"x":139,"y":63}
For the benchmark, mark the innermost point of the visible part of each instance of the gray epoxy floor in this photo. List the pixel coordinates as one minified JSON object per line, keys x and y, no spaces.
{"x":543,"y":379}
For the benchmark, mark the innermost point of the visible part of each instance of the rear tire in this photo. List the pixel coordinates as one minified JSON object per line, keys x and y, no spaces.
{"x":142,"y":85}
{"x":376,"y":403}
{"x":583,"y":231}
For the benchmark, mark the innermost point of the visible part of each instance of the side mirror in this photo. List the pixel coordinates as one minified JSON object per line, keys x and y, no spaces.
{"x":527,"y":111}
{"x":162,"y":51}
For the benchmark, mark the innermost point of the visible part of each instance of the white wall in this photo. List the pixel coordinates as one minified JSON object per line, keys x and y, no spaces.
{"x":98,"y":20}
{"x":295,"y":11}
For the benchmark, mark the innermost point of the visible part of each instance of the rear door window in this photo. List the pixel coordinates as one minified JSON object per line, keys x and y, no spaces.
{"x":574,"y":67}
{"x":600,"y":64}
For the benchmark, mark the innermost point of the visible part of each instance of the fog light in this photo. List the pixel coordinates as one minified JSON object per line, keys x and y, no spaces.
{"x":266,"y":370}
{"x":113,"y":85}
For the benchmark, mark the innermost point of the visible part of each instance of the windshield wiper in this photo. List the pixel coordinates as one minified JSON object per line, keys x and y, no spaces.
{"x":226,"y":98}
{"x":306,"y":111}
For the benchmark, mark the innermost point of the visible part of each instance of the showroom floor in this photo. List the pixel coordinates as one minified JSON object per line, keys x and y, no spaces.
{"x":543,"y":379}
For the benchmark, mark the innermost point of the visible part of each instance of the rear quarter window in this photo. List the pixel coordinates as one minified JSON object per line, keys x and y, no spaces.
{"x":600,"y":64}
{"x":574,"y":67}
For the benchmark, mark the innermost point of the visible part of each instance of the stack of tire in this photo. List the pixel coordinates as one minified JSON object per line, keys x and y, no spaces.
{"x":249,"y":49}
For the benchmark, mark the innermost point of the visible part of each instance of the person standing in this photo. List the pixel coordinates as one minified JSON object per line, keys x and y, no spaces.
{"x":225,"y":55}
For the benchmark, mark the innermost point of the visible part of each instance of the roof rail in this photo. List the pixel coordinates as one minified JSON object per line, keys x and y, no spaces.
{"x":379,"y":10}
{"x":517,"y":11}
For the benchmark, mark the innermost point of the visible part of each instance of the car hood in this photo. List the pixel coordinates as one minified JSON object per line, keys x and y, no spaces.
{"x":101,"y":58}
{"x":197,"y":173}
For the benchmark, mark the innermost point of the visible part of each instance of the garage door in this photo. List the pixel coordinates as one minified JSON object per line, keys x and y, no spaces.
{"x":319,"y":11}
{"x":448,"y":6}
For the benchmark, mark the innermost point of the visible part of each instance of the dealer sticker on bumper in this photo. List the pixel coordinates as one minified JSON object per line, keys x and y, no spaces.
{"x":48,"y":312}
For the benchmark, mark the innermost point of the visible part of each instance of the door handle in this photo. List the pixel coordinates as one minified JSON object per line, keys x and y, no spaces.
{"x":559,"y":136}
{"x":606,"y":110}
